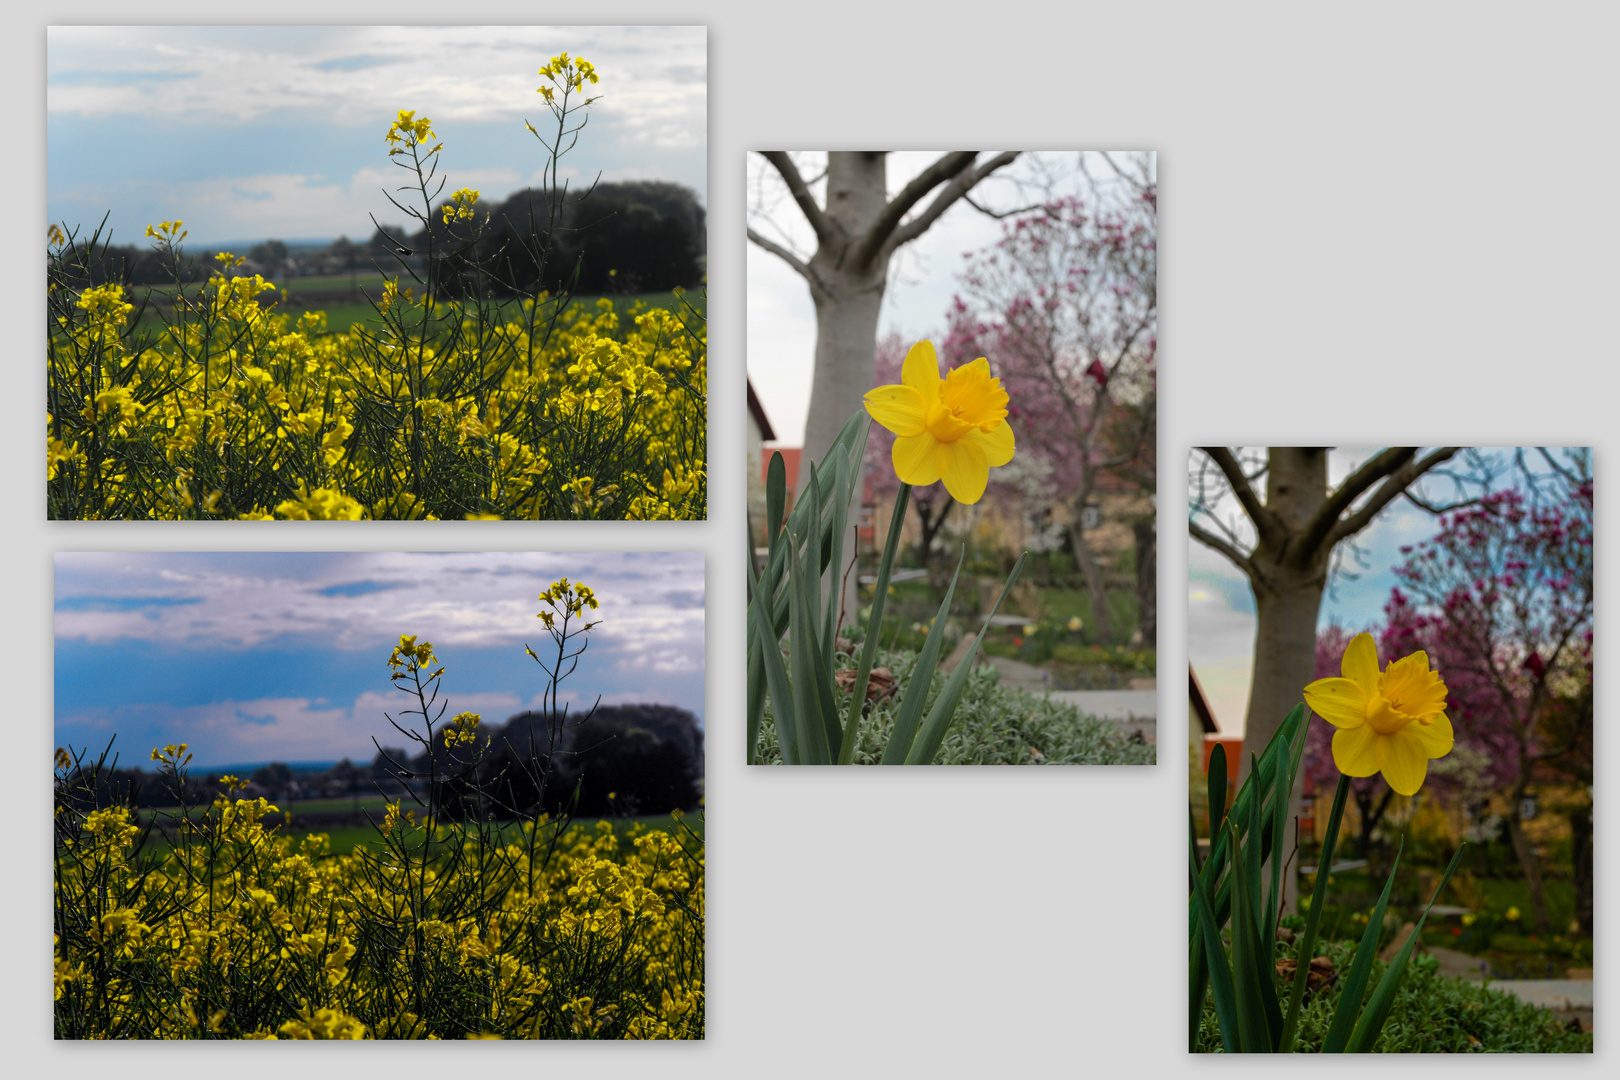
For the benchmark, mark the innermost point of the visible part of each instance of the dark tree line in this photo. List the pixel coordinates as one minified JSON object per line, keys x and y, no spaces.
{"x":632,"y":237}
{"x":621,"y":238}
{"x":625,"y":760}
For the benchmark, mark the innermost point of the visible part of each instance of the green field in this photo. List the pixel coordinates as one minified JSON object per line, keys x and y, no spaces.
{"x":346,"y":837}
{"x":344,"y":300}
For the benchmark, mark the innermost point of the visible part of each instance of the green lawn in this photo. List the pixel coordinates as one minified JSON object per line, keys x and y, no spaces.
{"x":345,"y":838}
{"x":1510,"y":947}
{"x":341,"y":315}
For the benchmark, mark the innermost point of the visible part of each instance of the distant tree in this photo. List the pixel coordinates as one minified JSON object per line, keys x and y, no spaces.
{"x":627,"y":759}
{"x":637,"y":236}
{"x":1502,"y":598}
{"x":1065,"y":305}
{"x":346,"y":255}
{"x":636,"y":759}
{"x":272,"y":255}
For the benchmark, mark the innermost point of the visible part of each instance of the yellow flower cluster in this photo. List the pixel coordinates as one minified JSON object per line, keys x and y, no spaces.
{"x":460,"y":206}
{"x":451,"y":931}
{"x":407,"y":133}
{"x":463,"y":729}
{"x":235,"y":411}
{"x":567,"y":74}
{"x":409,"y":658}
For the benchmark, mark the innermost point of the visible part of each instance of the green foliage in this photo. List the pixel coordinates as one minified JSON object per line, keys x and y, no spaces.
{"x":1236,"y":968}
{"x":994,"y":726}
{"x":1431,"y":1014}
{"x":798,"y":595}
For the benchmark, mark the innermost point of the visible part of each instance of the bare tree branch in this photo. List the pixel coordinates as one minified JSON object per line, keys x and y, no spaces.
{"x":999,"y":215}
{"x":1436,"y":508}
{"x":1390,"y":488}
{"x":1264,"y":523}
{"x":826,"y":230}
{"x":953,"y":191}
{"x":1338,"y":501}
{"x":1231,"y":551}
{"x":873,"y":241}
{"x":782,"y":253}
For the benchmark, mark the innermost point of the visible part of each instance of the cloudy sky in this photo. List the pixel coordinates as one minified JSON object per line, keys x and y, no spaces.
{"x":922,"y":280}
{"x":251,"y":132}
{"x":1220,"y":605}
{"x":257,"y":656}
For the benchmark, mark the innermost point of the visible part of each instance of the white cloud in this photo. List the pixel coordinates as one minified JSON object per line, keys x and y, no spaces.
{"x":653,"y":78}
{"x":651,"y":604}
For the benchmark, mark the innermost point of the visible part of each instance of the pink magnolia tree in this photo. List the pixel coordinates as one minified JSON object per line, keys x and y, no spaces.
{"x":1065,"y":306}
{"x":1501,"y":598}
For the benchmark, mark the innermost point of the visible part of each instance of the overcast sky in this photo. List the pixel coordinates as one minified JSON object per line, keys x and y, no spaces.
{"x":251,"y":132}
{"x":259,"y":656}
{"x":781,"y":316}
{"x":1220,"y":604}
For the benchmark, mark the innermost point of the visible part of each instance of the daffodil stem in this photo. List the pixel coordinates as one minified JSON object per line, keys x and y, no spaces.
{"x":1307,"y":943}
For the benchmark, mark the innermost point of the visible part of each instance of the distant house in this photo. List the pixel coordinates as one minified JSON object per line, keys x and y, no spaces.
{"x":1206,"y":733}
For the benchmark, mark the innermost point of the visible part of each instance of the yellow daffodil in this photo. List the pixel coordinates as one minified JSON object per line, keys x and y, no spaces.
{"x":1391,"y":722}
{"x":952,"y":429}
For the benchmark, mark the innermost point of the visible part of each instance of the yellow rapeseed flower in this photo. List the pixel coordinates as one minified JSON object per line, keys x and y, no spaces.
{"x":952,"y":429}
{"x":1391,"y":722}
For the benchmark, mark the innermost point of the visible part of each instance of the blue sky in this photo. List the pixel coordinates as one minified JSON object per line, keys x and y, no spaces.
{"x":283,"y":656}
{"x":1220,"y":605}
{"x":250,"y":132}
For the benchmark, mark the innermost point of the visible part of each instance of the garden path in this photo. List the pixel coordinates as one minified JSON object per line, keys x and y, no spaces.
{"x":1567,"y":999}
{"x":1134,"y":711}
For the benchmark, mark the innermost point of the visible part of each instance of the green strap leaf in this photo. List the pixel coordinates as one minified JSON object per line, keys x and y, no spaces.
{"x":802,"y":645}
{"x":857,"y":700}
{"x":1383,"y":996}
{"x":922,"y":674}
{"x":1307,"y":943}
{"x":1355,"y":984}
{"x":1217,"y":791}
{"x":944,"y":710}
{"x":1209,"y":960}
{"x":770,"y":653}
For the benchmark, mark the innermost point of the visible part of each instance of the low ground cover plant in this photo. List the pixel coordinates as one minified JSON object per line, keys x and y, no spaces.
{"x":463,"y":918}
{"x":994,"y":725}
{"x":463,"y":396}
{"x":1431,"y":1014}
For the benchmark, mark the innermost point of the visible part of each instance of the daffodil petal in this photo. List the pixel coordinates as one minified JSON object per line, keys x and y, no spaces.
{"x":1360,"y":663}
{"x":1353,"y":750}
{"x":921,"y":371}
{"x":1403,"y":759}
{"x":898,"y":408}
{"x":914,"y":459}
{"x":981,"y":364}
{"x":1436,"y":735}
{"x":997,"y":444}
{"x":965,"y":469}
{"x":1341,"y":702}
